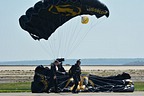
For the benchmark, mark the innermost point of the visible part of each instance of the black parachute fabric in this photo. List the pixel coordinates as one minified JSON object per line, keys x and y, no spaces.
{"x":88,"y":83}
{"x":46,"y":16}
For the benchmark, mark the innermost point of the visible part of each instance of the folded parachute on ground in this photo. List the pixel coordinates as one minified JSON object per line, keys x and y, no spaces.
{"x":46,"y":16}
{"x":88,"y":83}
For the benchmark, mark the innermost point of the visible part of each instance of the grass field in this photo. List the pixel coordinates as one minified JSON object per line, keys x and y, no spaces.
{"x":139,"y":86}
{"x":15,"y":87}
{"x":26,"y":87}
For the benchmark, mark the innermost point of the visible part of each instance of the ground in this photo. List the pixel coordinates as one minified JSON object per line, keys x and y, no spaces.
{"x":26,"y":73}
{"x":70,"y":94}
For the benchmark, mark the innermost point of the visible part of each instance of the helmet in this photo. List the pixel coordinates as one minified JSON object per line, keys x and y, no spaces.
{"x":78,"y":61}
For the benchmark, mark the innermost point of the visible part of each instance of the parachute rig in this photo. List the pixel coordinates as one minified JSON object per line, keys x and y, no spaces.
{"x":44,"y":19}
{"x":46,"y":16}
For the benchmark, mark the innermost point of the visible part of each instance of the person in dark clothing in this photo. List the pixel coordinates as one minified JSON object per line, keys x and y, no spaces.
{"x":75,"y":72}
{"x":61,"y":68}
{"x":53,"y":78}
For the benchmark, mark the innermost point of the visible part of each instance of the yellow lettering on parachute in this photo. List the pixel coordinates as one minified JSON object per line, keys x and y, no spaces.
{"x":97,"y":10}
{"x":66,"y":10}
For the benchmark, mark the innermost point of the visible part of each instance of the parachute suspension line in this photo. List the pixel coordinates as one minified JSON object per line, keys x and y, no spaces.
{"x":66,"y":41}
{"x":44,"y":48}
{"x":55,"y":45}
{"x":37,"y":20}
{"x":49,"y":53}
{"x":78,"y":43}
{"x":80,"y":31}
{"x":50,"y":44}
{"x":73,"y":37}
{"x":51,"y":47}
{"x":95,"y":24}
{"x":68,"y":28}
{"x":63,"y":43}
{"x":55,"y":41}
{"x":71,"y":41}
{"x":59,"y":39}
{"x":65,"y":38}
{"x":59,"y":43}
{"x":92,"y":25}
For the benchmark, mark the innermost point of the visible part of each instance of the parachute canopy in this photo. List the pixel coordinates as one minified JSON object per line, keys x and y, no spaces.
{"x":88,"y":82}
{"x":46,"y":16}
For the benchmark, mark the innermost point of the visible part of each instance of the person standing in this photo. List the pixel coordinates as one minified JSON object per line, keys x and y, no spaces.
{"x":75,"y":72}
{"x":53,"y":77}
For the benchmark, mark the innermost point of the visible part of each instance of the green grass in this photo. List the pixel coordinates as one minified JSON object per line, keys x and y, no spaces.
{"x":26,"y":87}
{"x":15,"y":87}
{"x":139,"y":86}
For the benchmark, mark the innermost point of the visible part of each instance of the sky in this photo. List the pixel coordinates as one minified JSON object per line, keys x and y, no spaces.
{"x":119,"y":36}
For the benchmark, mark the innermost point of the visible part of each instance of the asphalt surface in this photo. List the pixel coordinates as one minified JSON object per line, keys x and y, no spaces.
{"x":70,"y":94}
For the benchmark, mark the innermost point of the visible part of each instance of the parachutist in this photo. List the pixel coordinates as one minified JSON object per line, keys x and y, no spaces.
{"x":53,"y":77}
{"x":75,"y":72}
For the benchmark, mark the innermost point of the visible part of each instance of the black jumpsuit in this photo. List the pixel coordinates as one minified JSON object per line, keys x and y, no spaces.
{"x":53,"y":82}
{"x":75,"y":72}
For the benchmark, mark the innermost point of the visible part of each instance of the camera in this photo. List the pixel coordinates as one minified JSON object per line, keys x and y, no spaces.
{"x":60,"y":59}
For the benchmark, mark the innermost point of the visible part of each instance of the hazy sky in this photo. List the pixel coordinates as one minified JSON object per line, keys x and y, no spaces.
{"x":119,"y":36}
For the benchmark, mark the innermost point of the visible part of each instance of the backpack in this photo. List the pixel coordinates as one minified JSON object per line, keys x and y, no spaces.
{"x":71,"y":71}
